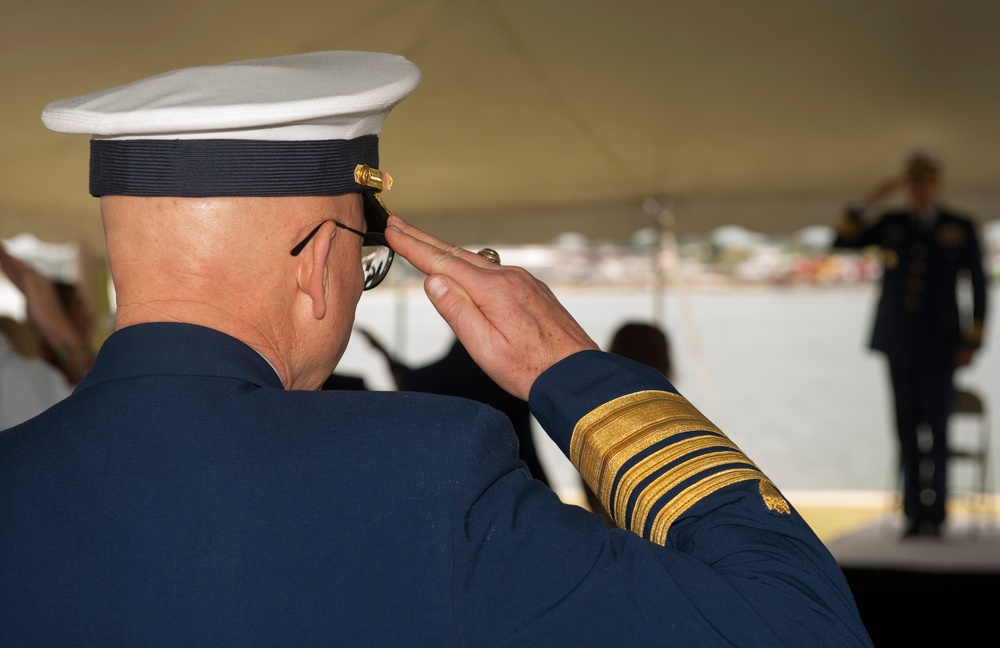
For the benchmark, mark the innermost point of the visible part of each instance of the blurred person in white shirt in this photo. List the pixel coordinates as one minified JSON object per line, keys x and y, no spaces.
{"x":28,"y":384}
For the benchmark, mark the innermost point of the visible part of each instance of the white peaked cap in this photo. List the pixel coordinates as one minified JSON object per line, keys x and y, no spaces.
{"x":321,"y":95}
{"x":289,"y":125}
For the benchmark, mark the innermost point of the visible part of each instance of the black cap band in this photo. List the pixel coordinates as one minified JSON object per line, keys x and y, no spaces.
{"x":222,"y":167}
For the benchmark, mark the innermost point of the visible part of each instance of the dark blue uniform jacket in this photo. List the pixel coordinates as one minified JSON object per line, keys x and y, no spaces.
{"x":181,"y":497}
{"x":918,"y":310}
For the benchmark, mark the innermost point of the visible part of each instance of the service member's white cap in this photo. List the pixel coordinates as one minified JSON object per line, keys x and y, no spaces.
{"x":922,"y":165}
{"x":296,"y":125}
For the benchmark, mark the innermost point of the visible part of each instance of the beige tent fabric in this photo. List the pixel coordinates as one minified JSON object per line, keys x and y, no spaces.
{"x":540,"y":117}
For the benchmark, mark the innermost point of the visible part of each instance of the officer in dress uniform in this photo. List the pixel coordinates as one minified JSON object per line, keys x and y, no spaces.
{"x":926,"y":249}
{"x":199,"y":489}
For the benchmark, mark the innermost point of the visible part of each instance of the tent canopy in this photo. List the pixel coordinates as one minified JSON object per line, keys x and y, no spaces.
{"x":535,"y":118}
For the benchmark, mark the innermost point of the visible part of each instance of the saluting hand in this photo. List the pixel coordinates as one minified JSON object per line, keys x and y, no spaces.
{"x":883,"y":191}
{"x":510,"y":323}
{"x":41,"y":301}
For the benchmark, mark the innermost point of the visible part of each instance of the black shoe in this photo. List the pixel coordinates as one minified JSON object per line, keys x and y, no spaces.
{"x":922,"y":530}
{"x":930,"y":530}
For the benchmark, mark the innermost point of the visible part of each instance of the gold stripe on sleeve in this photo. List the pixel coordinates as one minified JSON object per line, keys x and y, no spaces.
{"x":611,"y":435}
{"x":673,"y":478}
{"x":695,"y":493}
{"x":648,"y":465}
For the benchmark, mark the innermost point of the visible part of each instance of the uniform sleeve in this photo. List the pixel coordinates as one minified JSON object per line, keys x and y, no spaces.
{"x":854,"y":233}
{"x":708,"y":553}
{"x":978,"y":278}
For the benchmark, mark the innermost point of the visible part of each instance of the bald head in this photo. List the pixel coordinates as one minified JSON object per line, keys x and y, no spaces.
{"x":161,"y":248}
{"x":225,"y":263}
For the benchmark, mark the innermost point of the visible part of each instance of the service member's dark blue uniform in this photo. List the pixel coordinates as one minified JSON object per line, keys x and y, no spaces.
{"x":919,"y":327}
{"x":457,"y":374}
{"x":181,"y":497}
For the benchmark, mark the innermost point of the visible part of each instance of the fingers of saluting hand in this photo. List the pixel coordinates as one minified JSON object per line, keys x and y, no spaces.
{"x":509,"y":322}
{"x":449,"y":269}
{"x":41,"y":301}
{"x":29,"y":281}
{"x":431,"y":255}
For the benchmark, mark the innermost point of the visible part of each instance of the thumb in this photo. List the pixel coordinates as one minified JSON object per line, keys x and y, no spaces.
{"x":455,"y":306}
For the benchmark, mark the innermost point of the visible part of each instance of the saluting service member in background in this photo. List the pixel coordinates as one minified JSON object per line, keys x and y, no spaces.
{"x":198,"y":489}
{"x":57,"y":316}
{"x":926,"y":248}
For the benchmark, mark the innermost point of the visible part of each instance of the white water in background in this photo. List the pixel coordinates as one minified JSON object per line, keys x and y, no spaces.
{"x":784,"y":371}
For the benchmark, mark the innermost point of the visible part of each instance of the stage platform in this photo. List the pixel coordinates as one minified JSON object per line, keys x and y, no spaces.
{"x":914,"y":592}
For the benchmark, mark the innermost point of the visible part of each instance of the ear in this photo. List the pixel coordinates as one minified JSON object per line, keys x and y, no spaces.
{"x":311,"y":270}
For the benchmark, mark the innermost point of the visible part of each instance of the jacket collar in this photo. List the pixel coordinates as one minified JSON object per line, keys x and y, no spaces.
{"x":167,"y":348}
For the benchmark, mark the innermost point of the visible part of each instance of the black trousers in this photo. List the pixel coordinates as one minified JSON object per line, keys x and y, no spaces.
{"x":924,"y":392}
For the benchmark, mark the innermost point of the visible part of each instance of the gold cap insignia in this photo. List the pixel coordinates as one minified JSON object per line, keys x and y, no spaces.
{"x":369,"y":177}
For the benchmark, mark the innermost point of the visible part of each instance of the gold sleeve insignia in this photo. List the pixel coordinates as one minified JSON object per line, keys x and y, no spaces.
{"x":650,"y":456}
{"x":976,"y":333}
{"x":848,"y":228}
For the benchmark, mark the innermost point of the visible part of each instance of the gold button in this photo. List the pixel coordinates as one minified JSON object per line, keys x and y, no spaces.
{"x":918,"y":267}
{"x":890,"y":259}
{"x":916,"y":285}
{"x":919,"y":250}
{"x":912,"y":303}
